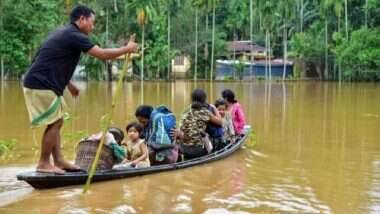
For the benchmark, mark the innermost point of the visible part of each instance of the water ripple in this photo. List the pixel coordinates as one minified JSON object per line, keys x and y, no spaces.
{"x":12,"y":190}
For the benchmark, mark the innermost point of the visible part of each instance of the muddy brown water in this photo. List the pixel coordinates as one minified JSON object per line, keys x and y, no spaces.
{"x":317,"y":151}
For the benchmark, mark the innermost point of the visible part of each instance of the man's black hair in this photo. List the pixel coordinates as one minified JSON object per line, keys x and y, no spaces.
{"x":144,"y":111}
{"x":79,"y":11}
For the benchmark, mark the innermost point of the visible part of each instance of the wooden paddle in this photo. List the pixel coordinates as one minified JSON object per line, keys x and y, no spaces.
{"x":108,"y":118}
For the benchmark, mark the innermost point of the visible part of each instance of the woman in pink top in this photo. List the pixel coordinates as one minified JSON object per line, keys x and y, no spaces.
{"x":238,"y":118}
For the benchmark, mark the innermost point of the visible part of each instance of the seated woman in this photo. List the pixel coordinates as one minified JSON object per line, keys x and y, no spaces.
{"x":195,"y":142}
{"x":137,"y":150}
{"x":157,"y":124}
{"x":236,"y":111}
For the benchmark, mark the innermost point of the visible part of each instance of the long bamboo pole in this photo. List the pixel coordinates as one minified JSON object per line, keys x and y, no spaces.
{"x":169,"y":61}
{"x":108,"y":119}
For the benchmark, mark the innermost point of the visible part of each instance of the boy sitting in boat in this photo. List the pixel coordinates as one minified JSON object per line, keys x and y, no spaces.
{"x":157,"y":125}
{"x":137,"y":150}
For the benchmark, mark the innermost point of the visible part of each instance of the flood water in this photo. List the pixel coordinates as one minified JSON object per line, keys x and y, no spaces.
{"x":317,"y":151}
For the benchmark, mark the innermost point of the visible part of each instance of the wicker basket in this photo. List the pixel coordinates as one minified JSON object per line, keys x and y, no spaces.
{"x":85,"y":155}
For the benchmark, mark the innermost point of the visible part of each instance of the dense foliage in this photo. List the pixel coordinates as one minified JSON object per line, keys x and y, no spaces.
{"x":331,"y":39}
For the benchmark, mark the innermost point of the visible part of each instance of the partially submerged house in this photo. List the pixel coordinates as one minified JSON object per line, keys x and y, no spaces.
{"x":238,"y":63}
{"x":245,"y":70}
{"x":243,"y":50}
{"x":180,"y":66}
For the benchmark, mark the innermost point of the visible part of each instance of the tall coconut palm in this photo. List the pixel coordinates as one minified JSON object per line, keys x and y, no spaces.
{"x":172,"y":6}
{"x":68,"y":5}
{"x":346,"y":16}
{"x":268,"y":11}
{"x":366,"y":13}
{"x":1,"y":30}
{"x":207,"y":6}
{"x":213,"y":40}
{"x":338,"y":7}
{"x":301,"y":15}
{"x":197,"y":4}
{"x":169,"y":61}
{"x":142,"y":19}
{"x":143,"y":9}
{"x":115,"y":6}
{"x":251,"y":35}
{"x":106,"y":6}
{"x":286,"y":9}
{"x":324,"y":11}
{"x":196,"y":46}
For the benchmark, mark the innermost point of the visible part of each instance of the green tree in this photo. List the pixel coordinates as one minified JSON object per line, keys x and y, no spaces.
{"x":360,"y":54}
{"x":24,"y":25}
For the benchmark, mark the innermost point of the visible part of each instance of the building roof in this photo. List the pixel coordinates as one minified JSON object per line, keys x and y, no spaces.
{"x":244,"y":46}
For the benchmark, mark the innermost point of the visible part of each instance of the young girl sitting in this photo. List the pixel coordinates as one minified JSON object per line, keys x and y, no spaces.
{"x":237,"y":114}
{"x":229,"y":132}
{"x":137,"y":150}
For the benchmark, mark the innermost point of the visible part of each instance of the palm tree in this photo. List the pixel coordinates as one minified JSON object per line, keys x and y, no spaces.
{"x":346,"y":16}
{"x":68,"y":5}
{"x":285,"y":7}
{"x":172,"y":5}
{"x":104,"y":6}
{"x":196,"y":45}
{"x":267,"y":10}
{"x":324,"y":10}
{"x":1,"y":55}
{"x":366,"y":13}
{"x":338,"y":7}
{"x":198,"y":4}
{"x":301,"y":15}
{"x":141,"y":19}
{"x":143,"y":9}
{"x":251,"y":34}
{"x":169,"y":63}
{"x":115,"y":6}
{"x":213,"y":39}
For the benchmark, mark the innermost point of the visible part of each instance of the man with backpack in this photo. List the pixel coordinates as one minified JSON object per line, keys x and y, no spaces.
{"x":158,"y":124}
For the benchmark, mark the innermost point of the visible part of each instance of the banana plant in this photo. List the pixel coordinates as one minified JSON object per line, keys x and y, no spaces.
{"x":144,"y":10}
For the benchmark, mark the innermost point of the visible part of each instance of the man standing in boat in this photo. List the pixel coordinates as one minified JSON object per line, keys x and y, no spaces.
{"x":50,"y":73}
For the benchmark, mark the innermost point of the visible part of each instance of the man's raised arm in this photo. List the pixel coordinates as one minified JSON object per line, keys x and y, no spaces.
{"x":112,"y":53}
